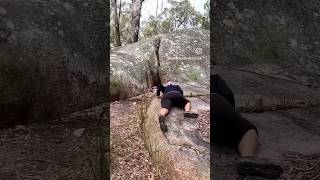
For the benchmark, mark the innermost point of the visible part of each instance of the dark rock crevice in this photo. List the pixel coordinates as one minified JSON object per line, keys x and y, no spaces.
{"x":153,"y":66}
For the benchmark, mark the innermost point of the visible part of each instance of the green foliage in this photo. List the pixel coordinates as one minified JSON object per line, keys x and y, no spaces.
{"x":195,"y":74}
{"x":150,"y":28}
{"x":180,"y":15}
{"x":125,"y":24}
{"x":205,"y":21}
{"x":117,"y":90}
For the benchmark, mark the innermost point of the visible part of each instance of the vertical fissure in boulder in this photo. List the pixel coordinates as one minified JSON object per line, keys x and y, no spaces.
{"x":153,"y":66}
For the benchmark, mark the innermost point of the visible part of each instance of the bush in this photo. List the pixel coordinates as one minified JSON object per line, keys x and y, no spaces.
{"x":117,"y":90}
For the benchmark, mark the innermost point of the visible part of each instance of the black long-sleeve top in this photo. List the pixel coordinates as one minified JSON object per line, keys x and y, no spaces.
{"x":169,"y":88}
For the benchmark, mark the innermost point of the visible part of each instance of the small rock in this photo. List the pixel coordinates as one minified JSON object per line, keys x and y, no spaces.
{"x":78,"y":132}
{"x":134,"y":103}
{"x":3,"y":11}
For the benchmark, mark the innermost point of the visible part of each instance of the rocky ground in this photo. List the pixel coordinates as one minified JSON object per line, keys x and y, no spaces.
{"x":65,"y":148}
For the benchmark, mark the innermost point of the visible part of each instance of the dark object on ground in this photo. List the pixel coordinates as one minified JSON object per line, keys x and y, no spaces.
{"x":259,"y":169}
{"x":190,"y":114}
{"x":163,"y":125}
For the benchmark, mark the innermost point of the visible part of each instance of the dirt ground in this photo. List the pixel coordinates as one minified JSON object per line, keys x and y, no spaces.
{"x":66,"y":148}
{"x":129,"y":157}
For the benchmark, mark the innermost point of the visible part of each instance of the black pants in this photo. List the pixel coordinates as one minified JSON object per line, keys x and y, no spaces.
{"x":173,"y":98}
{"x":227,"y":126}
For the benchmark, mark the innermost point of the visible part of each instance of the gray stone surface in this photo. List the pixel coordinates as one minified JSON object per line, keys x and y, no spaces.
{"x":52,"y":58}
{"x":183,"y":56}
{"x":271,"y":37}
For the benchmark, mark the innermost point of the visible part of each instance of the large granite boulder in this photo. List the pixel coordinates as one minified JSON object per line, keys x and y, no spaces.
{"x":182,"y":55}
{"x":182,"y":152}
{"x":52,"y":58}
{"x":273,"y":38}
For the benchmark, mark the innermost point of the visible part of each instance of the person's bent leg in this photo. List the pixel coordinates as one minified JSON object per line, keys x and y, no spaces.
{"x":187,"y":107}
{"x":164,"y":112}
{"x":166,"y":105}
{"x":248,"y":143}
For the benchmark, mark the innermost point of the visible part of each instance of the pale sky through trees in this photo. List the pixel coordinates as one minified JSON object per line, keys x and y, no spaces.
{"x":149,"y":7}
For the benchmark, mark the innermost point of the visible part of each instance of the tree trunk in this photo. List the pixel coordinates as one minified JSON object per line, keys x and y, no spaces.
{"x":136,"y":13}
{"x":116,"y":23}
{"x":119,"y":13}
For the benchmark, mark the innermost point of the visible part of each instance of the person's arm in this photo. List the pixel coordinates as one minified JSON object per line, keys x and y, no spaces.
{"x":160,"y":88}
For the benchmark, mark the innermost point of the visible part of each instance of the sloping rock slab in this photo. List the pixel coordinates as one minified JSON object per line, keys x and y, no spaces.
{"x":182,"y":152}
{"x":280,"y":133}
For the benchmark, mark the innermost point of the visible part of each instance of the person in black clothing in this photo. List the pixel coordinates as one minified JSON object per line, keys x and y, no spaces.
{"x":231,"y":129}
{"x":172,"y":96}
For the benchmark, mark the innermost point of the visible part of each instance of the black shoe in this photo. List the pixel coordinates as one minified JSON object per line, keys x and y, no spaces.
{"x":265,"y":170}
{"x":163,"y":125}
{"x":190,"y":114}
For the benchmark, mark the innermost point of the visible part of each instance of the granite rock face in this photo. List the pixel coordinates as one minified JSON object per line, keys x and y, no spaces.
{"x":182,"y":55}
{"x":52,"y":58}
{"x":273,"y":38}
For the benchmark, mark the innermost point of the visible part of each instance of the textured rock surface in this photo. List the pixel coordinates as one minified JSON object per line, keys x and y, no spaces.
{"x":267,"y":52}
{"x":52,"y":58}
{"x":182,"y":152}
{"x":269,"y":37}
{"x":182,"y":55}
